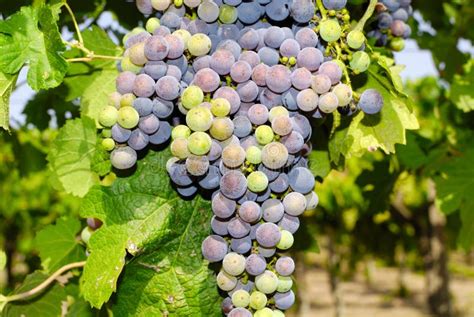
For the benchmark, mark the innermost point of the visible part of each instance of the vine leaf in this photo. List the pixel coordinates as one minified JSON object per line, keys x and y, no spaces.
{"x":3,"y":259}
{"x":32,"y":36}
{"x":58,"y":244}
{"x":45,"y":304}
{"x":454,"y":188}
{"x":71,"y":154}
{"x":141,"y":214}
{"x":7,"y":84}
{"x":461,"y":90}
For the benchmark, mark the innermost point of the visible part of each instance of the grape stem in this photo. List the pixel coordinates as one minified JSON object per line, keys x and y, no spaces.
{"x":44,"y":284}
{"x":90,"y":54}
{"x":368,"y":13}
{"x":321,"y":8}
{"x":74,"y":21}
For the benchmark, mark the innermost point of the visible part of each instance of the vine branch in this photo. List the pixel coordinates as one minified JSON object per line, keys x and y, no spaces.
{"x":44,"y":284}
{"x":321,"y":8}
{"x":368,"y":13}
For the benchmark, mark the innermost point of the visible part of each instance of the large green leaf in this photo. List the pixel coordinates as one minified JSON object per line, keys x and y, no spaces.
{"x":462,"y":93}
{"x":32,"y":36}
{"x":71,"y":155}
{"x":141,"y":214}
{"x":58,"y":244}
{"x":7,"y":84}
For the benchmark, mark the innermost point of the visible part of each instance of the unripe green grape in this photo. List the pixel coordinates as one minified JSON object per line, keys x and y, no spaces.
{"x":184,"y":35}
{"x":221,"y":128}
{"x":258,"y":300}
{"x":257,"y":181}
{"x":220,"y":107}
{"x":227,"y":14}
{"x":253,"y":155}
{"x":137,"y":54}
{"x":330,"y":30}
{"x":355,"y":39}
{"x":226,"y":282}
{"x":265,"y":312}
{"x":264,"y":134}
{"x":199,"y":44}
{"x":179,"y":148}
{"x":160,"y":5}
{"x":108,"y":116}
{"x":152,"y":24}
{"x":266,"y":282}
{"x":360,"y":62}
{"x":107,"y":133}
{"x":127,"y":65}
{"x":276,"y":112}
{"x":343,"y":93}
{"x":397,"y":44}
{"x":192,"y":97}
{"x":86,"y":234}
{"x":128,"y":117}
{"x":278,"y":313}
{"x":108,"y":144}
{"x":234,"y":264}
{"x":199,"y":119}
{"x":127,"y":100}
{"x":199,"y":143}
{"x":241,"y":298}
{"x":285,"y":283}
{"x":180,"y":131}
{"x":286,"y":240}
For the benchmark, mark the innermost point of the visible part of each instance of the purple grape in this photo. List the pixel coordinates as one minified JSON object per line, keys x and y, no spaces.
{"x":222,"y":206}
{"x":214,"y":248}
{"x":268,"y":235}
{"x":285,"y":266}
{"x":238,"y":228}
{"x":289,"y":223}
{"x":255,"y":264}
{"x":242,"y":245}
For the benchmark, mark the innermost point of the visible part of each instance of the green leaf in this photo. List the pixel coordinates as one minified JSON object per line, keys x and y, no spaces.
{"x":58,"y":244}
{"x":32,"y":36}
{"x":462,"y":93}
{"x":3,"y":260}
{"x":70,"y":156}
{"x":454,"y":190}
{"x":7,"y":84}
{"x":141,"y":214}
{"x":353,"y":136}
{"x":45,"y":304}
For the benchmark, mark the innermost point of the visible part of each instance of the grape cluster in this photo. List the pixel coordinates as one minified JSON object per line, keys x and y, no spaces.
{"x":390,"y":26}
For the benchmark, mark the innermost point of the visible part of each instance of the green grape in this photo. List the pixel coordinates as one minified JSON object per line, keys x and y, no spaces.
{"x":241,"y":298}
{"x":107,"y":133}
{"x":257,"y":181}
{"x":258,"y":300}
{"x":127,"y":65}
{"x":137,"y":54}
{"x":266,"y":282}
{"x":265,"y":312}
{"x":180,"y":131}
{"x":127,"y":100}
{"x":276,"y":112}
{"x":343,"y":93}
{"x":199,"y":143}
{"x":108,"y":116}
{"x":160,"y":5}
{"x":286,"y":240}
{"x":220,"y":107}
{"x":254,"y":155}
{"x":184,"y":35}
{"x":108,"y":144}
{"x":152,"y":24}
{"x":227,"y":14}
{"x":274,"y":155}
{"x":226,"y":282}
{"x":179,"y":148}
{"x":199,"y":44}
{"x":330,"y":30}
{"x":128,"y":117}
{"x":199,"y":119}
{"x":264,"y":134}
{"x":397,"y":44}
{"x":278,"y":313}
{"x":360,"y":62}
{"x":285,"y":283}
{"x":355,"y":39}
{"x":86,"y":234}
{"x":234,"y":263}
{"x":222,"y":128}
{"x":192,"y":97}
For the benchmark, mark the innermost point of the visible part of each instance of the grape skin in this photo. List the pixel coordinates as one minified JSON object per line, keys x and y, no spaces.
{"x":214,"y":248}
{"x":268,"y":235}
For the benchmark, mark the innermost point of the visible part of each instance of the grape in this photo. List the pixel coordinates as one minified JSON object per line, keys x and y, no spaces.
{"x":255,"y":265}
{"x":280,"y":184}
{"x":108,"y":144}
{"x":220,"y":107}
{"x":199,"y":143}
{"x":302,"y":11}
{"x":321,"y":83}
{"x":257,"y":181}
{"x":247,"y":91}
{"x":307,"y":100}
{"x":207,"y":79}
{"x":167,"y":87}
{"x":179,"y":148}
{"x":120,"y":134}
{"x":258,"y":114}
{"x":278,"y":313}
{"x":266,"y":252}
{"x":294,"y":203}
{"x":258,"y":300}
{"x":162,"y":31}
{"x":225,"y":281}
{"x":199,"y":44}
{"x":355,"y":39}
{"x":293,"y":142}
{"x":222,"y":206}
{"x":156,"y":69}
{"x":242,"y":126}
{"x":284,"y":300}
{"x":208,"y":11}
{"x":264,"y":134}
{"x":249,"y":12}
{"x":248,"y":39}
{"x":301,"y":125}
{"x":108,"y":116}
{"x":371,"y":101}
{"x":301,"y":78}
{"x":266,"y":282}
{"x":174,"y":71}
{"x":250,"y":212}
{"x":144,"y":106}
{"x":221,"y":128}
{"x":312,"y":200}
{"x":227,"y":14}
{"x":123,"y":158}
{"x":301,"y":180}
{"x":289,"y":223}
{"x":187,"y":191}
{"x":274,"y":37}
{"x":144,"y":6}
{"x":276,"y":112}
{"x":269,"y":56}
{"x":227,"y":305}
{"x":278,"y":78}
{"x":285,"y":266}
{"x":138,"y":140}
{"x":199,"y":119}
{"x":242,"y":245}
{"x":310,"y":58}
{"x":343,"y":94}
{"x":274,"y":155}
{"x":241,"y":298}
{"x":285,"y":283}
{"x":328,"y":102}
{"x":240,"y":312}
{"x":332,"y":70}
{"x":156,"y":48}
{"x":214,"y":248}
{"x":162,"y":135}
{"x":228,"y":32}
{"x":233,"y":155}
{"x":144,"y":86}
{"x":253,"y":155}
{"x":277,"y":10}
{"x":233,"y":140}
{"x":197,"y":165}
{"x":127,"y":65}
{"x":238,"y":228}
{"x":221,"y":61}
{"x":215,"y":151}
{"x":233,"y":184}
{"x":160,"y":5}
{"x":240,"y":71}
{"x":231,"y":46}
{"x":127,"y":117}
{"x":233,"y":263}
{"x":231,"y":96}
{"x":127,"y":100}
{"x":360,"y":62}
{"x":401,"y":14}
{"x":334,"y":4}
{"x":211,"y":179}
{"x":162,"y":108}
{"x":192,"y":97}
{"x":124,"y":82}
{"x":261,"y":197}
{"x":175,"y":45}
{"x":259,"y":74}
{"x":268,"y":235}
{"x":184,"y":35}
{"x":286,"y":240}
{"x":219,"y":226}
{"x":385,"y":20}
{"x":282,"y":125}
{"x":391,"y":5}
{"x":306,"y":37}
{"x":137,"y":54}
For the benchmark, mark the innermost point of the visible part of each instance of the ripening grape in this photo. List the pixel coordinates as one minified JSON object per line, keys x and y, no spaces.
{"x":274,"y":155}
{"x":360,"y":62}
{"x":179,"y":148}
{"x":328,"y":102}
{"x":371,"y":101}
{"x":278,"y":78}
{"x":175,"y":45}
{"x":233,"y":184}
{"x":301,"y":78}
{"x":240,"y":312}
{"x":123,"y":158}
{"x":127,"y":100}
{"x":310,"y":58}
{"x":330,"y":30}
{"x":268,"y":235}
{"x":258,"y":114}
{"x":247,"y":91}
{"x":343,"y":94}
{"x":285,"y":283}
{"x":286,"y":240}
{"x":180,"y":131}
{"x":294,"y":203}
{"x":167,"y":87}
{"x":225,"y":281}
{"x":285,"y":266}
{"x":332,"y":70}
{"x":207,"y":79}
{"x":257,"y":181}
{"x":255,"y":265}
{"x":221,"y":128}
{"x":250,"y":212}
{"x":250,"y":57}
{"x":278,"y":313}
{"x":258,"y":300}
{"x":233,"y":155}
{"x":307,"y":100}
{"x":306,"y":37}
{"x":242,"y":126}
{"x":233,"y":264}
{"x":334,"y":4}
{"x":197,"y":165}
{"x":137,"y":54}
{"x":267,"y":282}
{"x":259,"y":74}
{"x":199,"y":143}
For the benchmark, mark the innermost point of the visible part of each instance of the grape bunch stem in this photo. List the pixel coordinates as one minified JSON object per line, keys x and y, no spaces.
{"x":368,"y":13}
